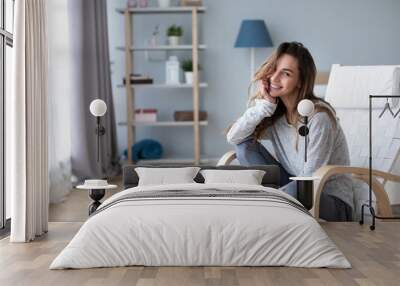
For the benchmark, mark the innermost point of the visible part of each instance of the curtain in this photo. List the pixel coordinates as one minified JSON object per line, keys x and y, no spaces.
{"x":92,"y":79}
{"x":26,"y":141}
{"x":59,"y":111}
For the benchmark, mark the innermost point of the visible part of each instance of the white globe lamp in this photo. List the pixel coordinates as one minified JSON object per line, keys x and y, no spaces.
{"x":305,"y":107}
{"x":98,"y":107}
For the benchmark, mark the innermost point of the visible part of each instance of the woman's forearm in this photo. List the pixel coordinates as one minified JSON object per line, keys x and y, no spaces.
{"x":248,"y":122}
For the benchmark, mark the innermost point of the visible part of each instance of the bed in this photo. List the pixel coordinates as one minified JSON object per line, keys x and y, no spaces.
{"x":201,"y":224}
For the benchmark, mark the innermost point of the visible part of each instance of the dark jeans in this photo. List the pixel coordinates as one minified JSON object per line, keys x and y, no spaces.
{"x":251,"y":152}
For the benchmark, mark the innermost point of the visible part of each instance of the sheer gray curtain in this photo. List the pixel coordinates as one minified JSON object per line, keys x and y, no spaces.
{"x":59,"y":97}
{"x":92,"y":79}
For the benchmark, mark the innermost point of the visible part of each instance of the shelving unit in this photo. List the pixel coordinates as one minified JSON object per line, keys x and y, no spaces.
{"x":155,"y":85}
{"x":129,"y":48}
{"x":164,"y":48}
{"x":166,"y":123}
{"x":179,"y":161}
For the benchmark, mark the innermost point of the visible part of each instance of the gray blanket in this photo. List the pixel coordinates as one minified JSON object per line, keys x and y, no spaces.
{"x":203,"y":194}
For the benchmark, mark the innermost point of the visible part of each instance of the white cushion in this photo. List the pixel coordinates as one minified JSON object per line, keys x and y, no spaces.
{"x":248,"y":177}
{"x":163,"y":176}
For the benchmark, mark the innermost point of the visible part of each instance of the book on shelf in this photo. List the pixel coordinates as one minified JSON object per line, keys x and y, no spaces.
{"x":138,"y":79}
{"x":187,"y":115}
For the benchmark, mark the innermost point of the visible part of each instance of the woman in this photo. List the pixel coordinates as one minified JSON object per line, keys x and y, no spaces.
{"x":285,"y":79}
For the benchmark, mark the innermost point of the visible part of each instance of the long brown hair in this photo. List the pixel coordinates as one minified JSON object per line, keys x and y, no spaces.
{"x":307,"y":74}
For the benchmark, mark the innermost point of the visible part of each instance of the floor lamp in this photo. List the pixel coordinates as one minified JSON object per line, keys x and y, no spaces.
{"x":253,"y":34}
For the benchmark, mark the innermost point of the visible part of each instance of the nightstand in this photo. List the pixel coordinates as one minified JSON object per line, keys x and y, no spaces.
{"x":305,"y":190}
{"x":96,"y":193}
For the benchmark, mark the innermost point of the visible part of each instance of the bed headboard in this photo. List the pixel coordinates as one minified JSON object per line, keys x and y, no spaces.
{"x":271,"y":178}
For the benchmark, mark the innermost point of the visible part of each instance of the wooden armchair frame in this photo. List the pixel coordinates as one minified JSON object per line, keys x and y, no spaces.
{"x":324,"y":173}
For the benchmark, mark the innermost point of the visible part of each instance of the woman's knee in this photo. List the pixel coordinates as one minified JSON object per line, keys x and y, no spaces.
{"x":243,"y":147}
{"x":247,"y":153}
{"x":241,"y":150}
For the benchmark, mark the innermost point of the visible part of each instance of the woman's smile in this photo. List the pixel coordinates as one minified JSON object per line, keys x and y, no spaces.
{"x":275,"y":87}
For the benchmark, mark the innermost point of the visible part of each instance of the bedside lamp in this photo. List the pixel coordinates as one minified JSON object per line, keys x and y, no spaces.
{"x":253,"y":34}
{"x":305,"y":108}
{"x":98,"y":108}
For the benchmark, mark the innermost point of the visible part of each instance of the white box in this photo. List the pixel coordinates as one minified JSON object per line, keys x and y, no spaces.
{"x":146,"y":115}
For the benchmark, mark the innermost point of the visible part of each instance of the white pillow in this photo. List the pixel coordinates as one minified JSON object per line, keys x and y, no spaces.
{"x":163,"y":176}
{"x":248,"y":177}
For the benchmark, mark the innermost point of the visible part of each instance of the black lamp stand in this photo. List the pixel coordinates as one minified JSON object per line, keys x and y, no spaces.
{"x":303,"y":131}
{"x":100,"y":131}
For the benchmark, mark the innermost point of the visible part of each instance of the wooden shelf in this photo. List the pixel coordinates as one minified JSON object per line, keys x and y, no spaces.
{"x":165,"y":123}
{"x":131,"y":89}
{"x":163,"y":85}
{"x":164,"y":48}
{"x":179,"y":161}
{"x":157,"y":10}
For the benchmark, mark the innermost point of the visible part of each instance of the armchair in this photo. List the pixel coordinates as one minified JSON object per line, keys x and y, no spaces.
{"x":347,"y":91}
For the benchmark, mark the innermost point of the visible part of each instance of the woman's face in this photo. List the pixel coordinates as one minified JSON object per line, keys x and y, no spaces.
{"x":285,"y":80}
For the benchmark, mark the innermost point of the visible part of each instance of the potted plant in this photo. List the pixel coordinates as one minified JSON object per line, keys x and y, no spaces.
{"x":174,"y":34}
{"x":187,"y":67}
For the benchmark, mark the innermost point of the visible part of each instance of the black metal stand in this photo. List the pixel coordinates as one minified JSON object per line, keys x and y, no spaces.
{"x":96,"y":195}
{"x":100,"y":131}
{"x":303,"y":131}
{"x":305,"y":193}
{"x":369,"y":205}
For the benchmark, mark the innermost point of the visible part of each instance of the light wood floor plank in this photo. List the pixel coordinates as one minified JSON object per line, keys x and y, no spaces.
{"x":375,"y":257}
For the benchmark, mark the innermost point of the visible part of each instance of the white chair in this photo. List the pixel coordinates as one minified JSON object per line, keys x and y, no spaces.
{"x":348,"y":92}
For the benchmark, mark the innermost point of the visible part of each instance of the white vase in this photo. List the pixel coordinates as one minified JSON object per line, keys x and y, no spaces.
{"x":164,"y":3}
{"x":172,"y":70}
{"x":189,"y":77}
{"x":174,"y":40}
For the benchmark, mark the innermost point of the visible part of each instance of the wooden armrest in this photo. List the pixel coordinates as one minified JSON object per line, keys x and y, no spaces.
{"x":325,"y":172}
{"x":227,"y":158}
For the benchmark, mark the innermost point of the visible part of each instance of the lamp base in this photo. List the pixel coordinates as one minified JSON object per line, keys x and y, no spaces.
{"x":96,"y":195}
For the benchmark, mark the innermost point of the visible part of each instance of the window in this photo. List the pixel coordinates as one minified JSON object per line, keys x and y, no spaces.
{"x":6,"y":44}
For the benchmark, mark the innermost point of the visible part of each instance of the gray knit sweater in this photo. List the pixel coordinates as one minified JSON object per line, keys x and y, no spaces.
{"x":326,"y":145}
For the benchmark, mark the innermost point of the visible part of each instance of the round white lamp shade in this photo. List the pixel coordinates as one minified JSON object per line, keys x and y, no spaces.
{"x":305,"y":107}
{"x":98,"y":107}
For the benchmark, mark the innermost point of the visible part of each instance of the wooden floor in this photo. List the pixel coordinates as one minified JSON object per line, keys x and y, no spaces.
{"x":374,"y":255}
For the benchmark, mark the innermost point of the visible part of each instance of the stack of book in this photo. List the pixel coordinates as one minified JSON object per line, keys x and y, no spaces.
{"x":139,"y":79}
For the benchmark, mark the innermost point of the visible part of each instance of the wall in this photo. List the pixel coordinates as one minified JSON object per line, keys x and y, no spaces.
{"x":356,"y":32}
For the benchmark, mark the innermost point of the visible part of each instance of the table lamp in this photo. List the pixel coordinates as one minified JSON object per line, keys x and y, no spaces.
{"x":253,"y":34}
{"x":98,"y":108}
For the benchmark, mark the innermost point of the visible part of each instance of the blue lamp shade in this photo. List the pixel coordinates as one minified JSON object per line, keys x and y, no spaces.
{"x":253,"y":34}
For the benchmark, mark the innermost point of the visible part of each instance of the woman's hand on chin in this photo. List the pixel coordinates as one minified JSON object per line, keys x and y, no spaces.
{"x":263,"y":87}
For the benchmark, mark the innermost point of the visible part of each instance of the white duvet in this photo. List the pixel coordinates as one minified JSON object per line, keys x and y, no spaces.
{"x":200,"y":231}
